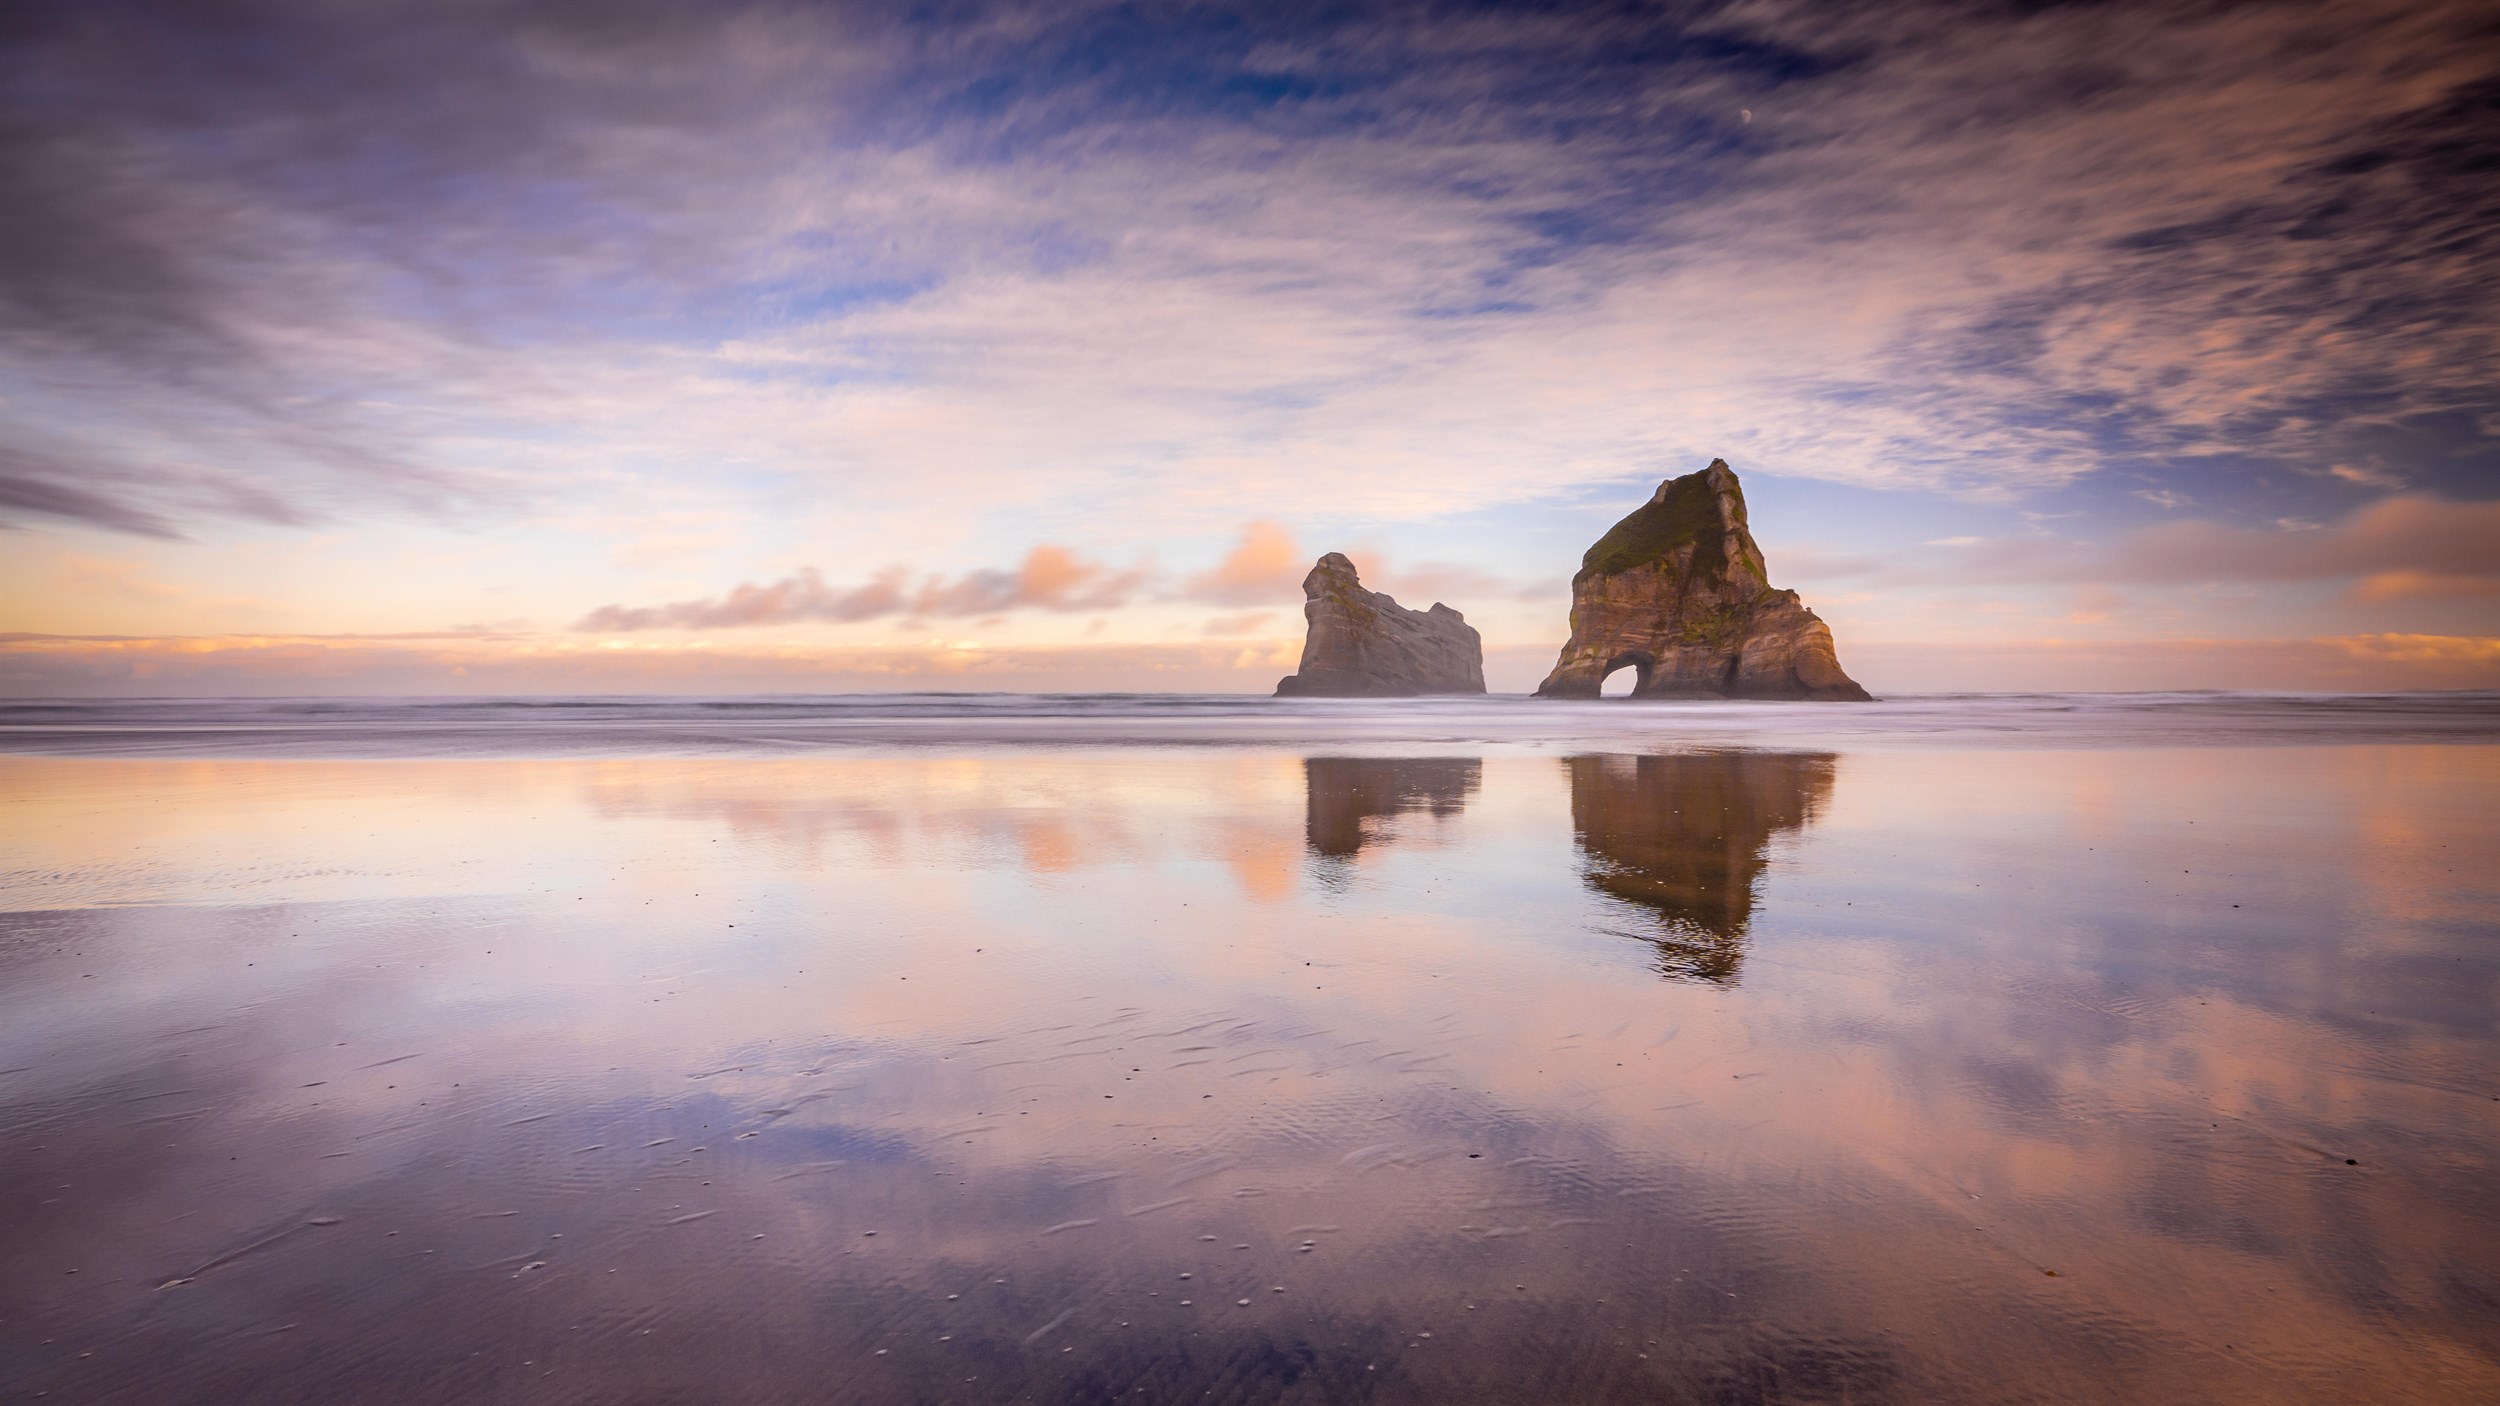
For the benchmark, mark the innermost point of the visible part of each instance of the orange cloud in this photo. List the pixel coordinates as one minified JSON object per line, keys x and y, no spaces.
{"x":2414,"y":532}
{"x":1050,"y":578}
{"x":2410,"y":545}
{"x":2422,"y":585}
{"x":39,"y":666}
{"x":2466,"y":650}
{"x":2327,"y":663}
{"x":1264,"y":568}
{"x":801,"y":596}
{"x":1246,"y":623}
{"x":1461,"y":587}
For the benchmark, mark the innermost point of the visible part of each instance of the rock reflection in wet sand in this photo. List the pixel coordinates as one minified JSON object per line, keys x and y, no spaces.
{"x":2157,"y":1075}
{"x":1349,"y":797}
{"x":1686,"y":836}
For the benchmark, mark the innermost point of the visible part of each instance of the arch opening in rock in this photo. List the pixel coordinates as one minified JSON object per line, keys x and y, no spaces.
{"x":1626,"y":676}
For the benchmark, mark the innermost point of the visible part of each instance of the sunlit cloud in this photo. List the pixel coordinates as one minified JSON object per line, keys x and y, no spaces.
{"x":2405,"y":543}
{"x":923,"y":281}
{"x":801,"y":596}
{"x":2368,"y":476}
{"x":2385,"y":586}
{"x":1232,"y":626}
{"x":1264,"y":567}
{"x":1050,"y":578}
{"x":2330,"y":663}
{"x":1457,"y":585}
{"x":445,"y":662}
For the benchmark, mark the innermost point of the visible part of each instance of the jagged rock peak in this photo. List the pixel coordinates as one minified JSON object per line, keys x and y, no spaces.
{"x":1678,"y":592}
{"x":1362,"y":644}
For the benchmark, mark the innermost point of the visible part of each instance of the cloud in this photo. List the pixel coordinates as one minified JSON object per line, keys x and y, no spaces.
{"x":2408,"y":546}
{"x":2385,"y":586}
{"x":1163,"y":262}
{"x":1458,"y":585}
{"x":1267,"y":565}
{"x":1263,"y":568}
{"x":2326,"y":663}
{"x":43,"y":487}
{"x":2413,"y":533}
{"x":46,"y":666}
{"x":1050,"y":578}
{"x":801,"y":596}
{"x":1234,"y":626}
{"x":2367,"y":476}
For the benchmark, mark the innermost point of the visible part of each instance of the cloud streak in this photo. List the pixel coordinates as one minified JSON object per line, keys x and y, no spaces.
{"x":1049,"y":578}
{"x":1388,"y":261}
{"x":1266,"y":566}
{"x":2403,"y":547}
{"x":48,"y":666}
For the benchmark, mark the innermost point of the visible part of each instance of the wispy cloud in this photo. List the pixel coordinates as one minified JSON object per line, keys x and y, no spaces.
{"x":1049,"y":578}
{"x":2413,"y":544}
{"x":800,"y":596}
{"x":1460,"y":586}
{"x":1371,"y":260}
{"x":35,"y":665}
{"x":2360,"y":662}
{"x":2367,"y":476}
{"x":1235,"y":626}
{"x":1266,"y":566}
{"x":2415,"y":533}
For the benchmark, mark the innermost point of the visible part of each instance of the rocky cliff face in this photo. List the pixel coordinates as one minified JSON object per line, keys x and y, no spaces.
{"x":1678,"y":592}
{"x":1364,"y":645}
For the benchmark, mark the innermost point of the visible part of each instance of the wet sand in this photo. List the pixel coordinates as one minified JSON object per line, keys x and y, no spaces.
{"x":1933,"y":1072}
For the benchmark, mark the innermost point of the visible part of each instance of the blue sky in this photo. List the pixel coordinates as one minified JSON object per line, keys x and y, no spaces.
{"x":414,"y":347}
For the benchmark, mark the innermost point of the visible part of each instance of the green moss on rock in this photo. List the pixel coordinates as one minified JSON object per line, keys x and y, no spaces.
{"x":1685,"y":513}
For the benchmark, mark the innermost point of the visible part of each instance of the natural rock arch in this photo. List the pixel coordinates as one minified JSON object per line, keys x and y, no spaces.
{"x":1681,"y":584}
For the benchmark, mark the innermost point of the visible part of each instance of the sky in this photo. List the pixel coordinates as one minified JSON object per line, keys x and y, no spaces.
{"x":494,"y":346}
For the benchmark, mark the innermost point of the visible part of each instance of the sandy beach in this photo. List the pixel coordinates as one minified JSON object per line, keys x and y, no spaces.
{"x":2122,"y":1066}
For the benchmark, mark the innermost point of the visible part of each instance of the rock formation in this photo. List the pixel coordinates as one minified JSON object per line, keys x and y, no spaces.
{"x":1677,"y":591}
{"x":1364,"y":645}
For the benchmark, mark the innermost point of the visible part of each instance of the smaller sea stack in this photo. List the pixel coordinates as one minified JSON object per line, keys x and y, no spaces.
{"x":1362,"y":644}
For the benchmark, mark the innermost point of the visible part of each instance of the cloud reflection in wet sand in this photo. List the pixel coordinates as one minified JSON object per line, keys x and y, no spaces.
{"x":490,"y":1087}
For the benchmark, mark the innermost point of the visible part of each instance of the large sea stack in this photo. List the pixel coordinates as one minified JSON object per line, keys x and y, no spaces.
{"x":1677,"y":592}
{"x":1362,"y":644}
